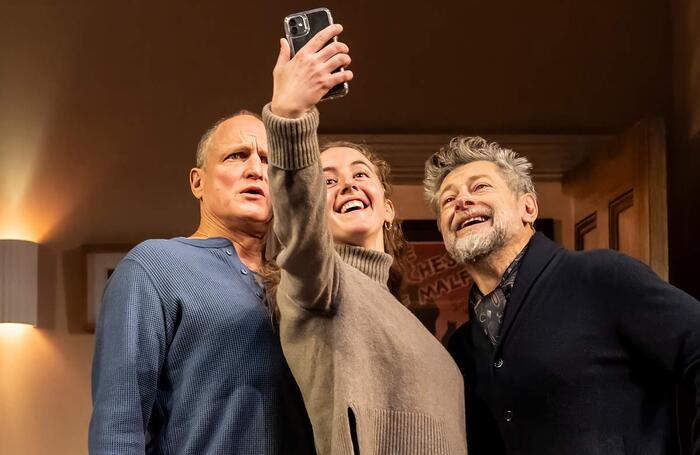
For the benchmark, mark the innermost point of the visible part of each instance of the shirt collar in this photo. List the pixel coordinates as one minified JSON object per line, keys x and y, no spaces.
{"x":507,"y":280}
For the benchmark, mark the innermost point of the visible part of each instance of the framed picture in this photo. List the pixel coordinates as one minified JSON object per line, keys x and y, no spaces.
{"x":100,"y":262}
{"x":436,"y":287}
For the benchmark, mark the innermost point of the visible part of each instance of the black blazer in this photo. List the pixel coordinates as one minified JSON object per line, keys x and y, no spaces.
{"x":591,"y":347}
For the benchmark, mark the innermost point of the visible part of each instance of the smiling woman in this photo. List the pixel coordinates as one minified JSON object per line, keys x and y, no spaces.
{"x":373,"y":379}
{"x":340,"y":158}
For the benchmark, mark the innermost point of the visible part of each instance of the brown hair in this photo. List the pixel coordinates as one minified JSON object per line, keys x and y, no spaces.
{"x":394,"y":241}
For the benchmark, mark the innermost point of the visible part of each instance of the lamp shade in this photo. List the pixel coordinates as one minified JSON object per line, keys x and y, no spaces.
{"x":19,"y":265}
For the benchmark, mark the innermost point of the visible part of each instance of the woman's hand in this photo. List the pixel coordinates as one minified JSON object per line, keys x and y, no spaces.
{"x":301,"y":82}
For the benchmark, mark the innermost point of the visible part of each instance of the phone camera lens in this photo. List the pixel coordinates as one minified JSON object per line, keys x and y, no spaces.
{"x":292,"y":22}
{"x":294,"y":30}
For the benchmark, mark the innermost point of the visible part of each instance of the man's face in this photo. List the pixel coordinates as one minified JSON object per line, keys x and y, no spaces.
{"x":478,"y":212}
{"x":232,"y":184}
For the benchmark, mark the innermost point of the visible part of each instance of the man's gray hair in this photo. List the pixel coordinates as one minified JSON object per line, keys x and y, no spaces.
{"x":466,"y":149}
{"x":205,"y":141}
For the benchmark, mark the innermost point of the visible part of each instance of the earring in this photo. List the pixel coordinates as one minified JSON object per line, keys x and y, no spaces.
{"x":388,"y":226}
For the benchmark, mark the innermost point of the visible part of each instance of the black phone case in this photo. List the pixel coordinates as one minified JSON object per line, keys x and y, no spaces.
{"x":318,"y":19}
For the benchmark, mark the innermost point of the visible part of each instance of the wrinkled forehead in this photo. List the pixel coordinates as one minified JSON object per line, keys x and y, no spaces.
{"x":467,"y":173}
{"x":241,"y":130}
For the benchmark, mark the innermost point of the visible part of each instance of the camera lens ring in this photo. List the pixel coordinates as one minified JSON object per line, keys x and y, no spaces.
{"x":292,"y":21}
{"x":294,"y":30}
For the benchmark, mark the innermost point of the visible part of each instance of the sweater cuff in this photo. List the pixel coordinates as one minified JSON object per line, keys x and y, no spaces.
{"x":293,"y":143}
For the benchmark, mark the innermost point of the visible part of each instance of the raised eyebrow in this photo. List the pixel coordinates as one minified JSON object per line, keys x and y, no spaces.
{"x":449,"y":187}
{"x":474,"y":178}
{"x":470,"y":180}
{"x":362,"y":163}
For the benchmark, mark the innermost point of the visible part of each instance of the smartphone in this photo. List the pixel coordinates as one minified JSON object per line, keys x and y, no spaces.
{"x":299,"y":28}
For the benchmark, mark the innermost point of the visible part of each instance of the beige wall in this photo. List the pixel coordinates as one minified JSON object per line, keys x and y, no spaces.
{"x":44,"y":391}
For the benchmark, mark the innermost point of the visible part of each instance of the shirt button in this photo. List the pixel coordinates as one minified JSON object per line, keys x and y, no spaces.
{"x":498,"y":363}
{"x":508,"y":415}
{"x":228,"y":252}
{"x":244,"y":271}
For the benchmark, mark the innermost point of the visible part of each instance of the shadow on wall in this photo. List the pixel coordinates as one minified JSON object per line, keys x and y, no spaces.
{"x":46,"y":311}
{"x":75,"y":284}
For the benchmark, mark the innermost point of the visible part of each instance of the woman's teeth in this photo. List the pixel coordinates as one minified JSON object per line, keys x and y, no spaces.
{"x":352,"y":205}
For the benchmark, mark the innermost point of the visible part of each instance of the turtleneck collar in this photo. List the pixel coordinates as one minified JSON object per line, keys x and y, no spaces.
{"x":374,"y":264}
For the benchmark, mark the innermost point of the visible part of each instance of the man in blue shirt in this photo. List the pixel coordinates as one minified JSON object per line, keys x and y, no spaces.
{"x":187,"y":360}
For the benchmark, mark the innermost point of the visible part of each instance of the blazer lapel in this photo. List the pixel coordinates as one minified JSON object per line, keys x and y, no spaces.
{"x":539,"y":253}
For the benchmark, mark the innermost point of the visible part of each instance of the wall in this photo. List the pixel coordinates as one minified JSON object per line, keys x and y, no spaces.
{"x":684,"y":151}
{"x":683,"y":169}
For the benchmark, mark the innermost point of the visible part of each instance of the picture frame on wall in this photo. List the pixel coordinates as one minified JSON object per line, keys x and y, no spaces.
{"x":435,"y":285}
{"x":100,"y":263}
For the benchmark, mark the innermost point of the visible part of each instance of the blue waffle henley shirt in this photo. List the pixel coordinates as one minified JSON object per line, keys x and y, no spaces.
{"x":187,"y":360}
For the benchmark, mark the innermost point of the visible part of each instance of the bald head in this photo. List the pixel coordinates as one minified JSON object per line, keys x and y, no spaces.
{"x":230,"y":181}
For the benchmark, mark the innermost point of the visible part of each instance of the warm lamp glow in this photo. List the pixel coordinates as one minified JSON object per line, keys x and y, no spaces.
{"x":24,"y":227}
{"x":16,"y":231}
{"x":22,"y":214}
{"x":13,"y":331}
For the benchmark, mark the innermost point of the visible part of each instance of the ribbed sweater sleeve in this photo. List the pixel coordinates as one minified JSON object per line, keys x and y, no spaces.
{"x":299,"y":196}
{"x":129,"y":353}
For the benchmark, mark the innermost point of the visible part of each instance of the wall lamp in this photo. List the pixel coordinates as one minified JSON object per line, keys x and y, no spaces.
{"x":19,"y":270}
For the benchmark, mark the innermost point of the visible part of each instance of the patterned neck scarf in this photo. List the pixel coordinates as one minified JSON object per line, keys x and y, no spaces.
{"x":490,"y":308}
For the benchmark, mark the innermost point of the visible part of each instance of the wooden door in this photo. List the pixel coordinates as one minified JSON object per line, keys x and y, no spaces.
{"x":619,"y":196}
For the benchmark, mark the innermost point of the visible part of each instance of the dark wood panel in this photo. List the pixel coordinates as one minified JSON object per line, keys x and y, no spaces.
{"x":583,"y":227}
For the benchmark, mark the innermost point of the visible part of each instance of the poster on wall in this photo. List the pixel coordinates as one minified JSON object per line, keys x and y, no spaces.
{"x":436,"y":289}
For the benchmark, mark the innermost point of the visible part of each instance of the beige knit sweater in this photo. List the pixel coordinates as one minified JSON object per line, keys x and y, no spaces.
{"x":356,"y":352}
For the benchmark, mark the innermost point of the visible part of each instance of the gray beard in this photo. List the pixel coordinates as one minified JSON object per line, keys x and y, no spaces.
{"x":475,"y":247}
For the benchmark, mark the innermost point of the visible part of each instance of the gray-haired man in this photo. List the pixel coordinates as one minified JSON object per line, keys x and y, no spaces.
{"x":565,"y":352}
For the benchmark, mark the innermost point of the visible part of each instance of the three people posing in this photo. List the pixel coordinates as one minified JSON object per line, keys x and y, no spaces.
{"x":564,"y":352}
